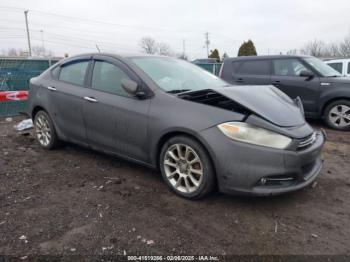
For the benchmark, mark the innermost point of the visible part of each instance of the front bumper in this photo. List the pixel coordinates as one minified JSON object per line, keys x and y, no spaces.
{"x":243,"y":168}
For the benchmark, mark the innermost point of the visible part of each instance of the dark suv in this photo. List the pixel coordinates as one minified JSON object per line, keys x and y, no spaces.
{"x":323,"y":91}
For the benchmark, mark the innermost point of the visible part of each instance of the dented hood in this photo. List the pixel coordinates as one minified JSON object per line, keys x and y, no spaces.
{"x":267,"y":102}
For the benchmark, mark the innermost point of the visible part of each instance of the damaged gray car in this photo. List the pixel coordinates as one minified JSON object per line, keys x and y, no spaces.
{"x":165,"y":113}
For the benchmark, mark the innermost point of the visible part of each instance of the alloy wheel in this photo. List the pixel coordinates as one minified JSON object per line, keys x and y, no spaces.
{"x":339,"y":115}
{"x":43,"y":130}
{"x":183,"y":168}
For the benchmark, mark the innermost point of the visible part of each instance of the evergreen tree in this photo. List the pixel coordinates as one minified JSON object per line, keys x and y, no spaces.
{"x":215,"y":54}
{"x":247,"y":49}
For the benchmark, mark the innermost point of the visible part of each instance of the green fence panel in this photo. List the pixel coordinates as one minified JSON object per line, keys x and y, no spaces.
{"x":213,"y":68}
{"x":15,"y":74}
{"x":12,"y":108}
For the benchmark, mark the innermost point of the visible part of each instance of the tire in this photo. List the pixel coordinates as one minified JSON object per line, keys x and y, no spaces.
{"x":193,"y":169}
{"x":45,"y":132}
{"x":337,"y":115}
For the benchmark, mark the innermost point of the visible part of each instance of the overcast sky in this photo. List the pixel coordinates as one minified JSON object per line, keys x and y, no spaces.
{"x":75,"y":26}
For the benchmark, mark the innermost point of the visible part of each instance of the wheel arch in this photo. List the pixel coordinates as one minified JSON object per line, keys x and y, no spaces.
{"x":331,"y":100}
{"x":36,"y":109}
{"x":165,"y":137}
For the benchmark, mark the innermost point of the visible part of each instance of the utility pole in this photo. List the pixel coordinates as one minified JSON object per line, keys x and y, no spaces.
{"x":183,"y":48}
{"x":29,"y":47}
{"x":207,"y":42}
{"x":42,"y":39}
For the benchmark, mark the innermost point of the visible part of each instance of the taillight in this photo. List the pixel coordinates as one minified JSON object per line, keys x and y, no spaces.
{"x":221,"y":70}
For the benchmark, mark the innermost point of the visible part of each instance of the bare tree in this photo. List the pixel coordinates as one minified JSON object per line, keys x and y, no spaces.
{"x":164,"y":49}
{"x":344,"y":47}
{"x":315,"y":48}
{"x":332,"y":50}
{"x":292,"y":52}
{"x":12,"y":52}
{"x":182,"y":56}
{"x":151,"y":46}
{"x":320,"y":49}
{"x":148,"y":45}
{"x":41,"y":51}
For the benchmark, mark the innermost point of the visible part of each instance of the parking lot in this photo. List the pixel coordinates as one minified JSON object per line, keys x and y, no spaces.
{"x":77,"y":201}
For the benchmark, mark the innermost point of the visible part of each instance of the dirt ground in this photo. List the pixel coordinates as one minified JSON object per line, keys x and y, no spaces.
{"x":77,"y":201}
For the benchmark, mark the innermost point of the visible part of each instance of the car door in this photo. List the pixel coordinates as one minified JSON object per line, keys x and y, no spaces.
{"x":64,"y":94}
{"x":115,"y":121}
{"x":286,"y":77}
{"x":251,"y":72}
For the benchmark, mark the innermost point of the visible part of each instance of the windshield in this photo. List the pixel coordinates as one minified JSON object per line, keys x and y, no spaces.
{"x":176,"y":76}
{"x":321,"y":67}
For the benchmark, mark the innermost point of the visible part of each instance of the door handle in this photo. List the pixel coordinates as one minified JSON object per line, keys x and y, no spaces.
{"x":90,"y":99}
{"x":277,"y":83}
{"x":239,"y":80}
{"x":51,"y":88}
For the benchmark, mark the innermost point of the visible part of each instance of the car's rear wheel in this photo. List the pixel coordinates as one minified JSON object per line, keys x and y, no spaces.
{"x":186,"y":167}
{"x":45,"y":131}
{"x":337,"y":115}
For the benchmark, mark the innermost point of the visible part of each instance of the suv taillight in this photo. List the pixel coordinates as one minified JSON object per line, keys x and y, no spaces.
{"x":221,"y":70}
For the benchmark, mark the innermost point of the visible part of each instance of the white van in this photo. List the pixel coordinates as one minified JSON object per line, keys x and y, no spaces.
{"x":341,"y":65}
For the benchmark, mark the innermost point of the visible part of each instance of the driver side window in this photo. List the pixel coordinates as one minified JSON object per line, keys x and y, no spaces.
{"x":288,"y":67}
{"x":107,"y":77}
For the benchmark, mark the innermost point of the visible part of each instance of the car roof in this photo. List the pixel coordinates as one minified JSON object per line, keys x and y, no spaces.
{"x":263,"y":57}
{"x":116,"y":55}
{"x":120,"y":56}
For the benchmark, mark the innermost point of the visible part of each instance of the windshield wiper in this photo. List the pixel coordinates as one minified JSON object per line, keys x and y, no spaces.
{"x":334,"y":76}
{"x":178,"y":91}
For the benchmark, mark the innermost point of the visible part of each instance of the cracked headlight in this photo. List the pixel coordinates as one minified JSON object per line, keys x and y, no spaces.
{"x":254,"y":135}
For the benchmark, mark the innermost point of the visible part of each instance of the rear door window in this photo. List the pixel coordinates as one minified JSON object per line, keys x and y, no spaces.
{"x":74,"y":73}
{"x":349,"y":68}
{"x":337,"y":66}
{"x":257,"y":67}
{"x":235,"y":65}
{"x":288,"y":67}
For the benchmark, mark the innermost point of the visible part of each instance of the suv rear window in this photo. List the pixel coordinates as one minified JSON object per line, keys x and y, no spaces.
{"x":257,"y":67}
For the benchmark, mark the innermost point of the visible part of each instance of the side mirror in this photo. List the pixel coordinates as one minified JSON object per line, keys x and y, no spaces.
{"x":132,"y":88}
{"x":306,"y":73}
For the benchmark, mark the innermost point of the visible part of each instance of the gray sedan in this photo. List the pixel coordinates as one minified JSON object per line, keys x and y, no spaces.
{"x":165,"y":113}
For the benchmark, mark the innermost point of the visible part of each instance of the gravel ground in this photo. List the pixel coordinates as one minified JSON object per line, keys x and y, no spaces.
{"x":77,"y":201}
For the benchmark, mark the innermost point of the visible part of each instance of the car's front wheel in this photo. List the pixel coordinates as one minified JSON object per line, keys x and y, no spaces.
{"x":45,"y":131}
{"x":337,"y":115}
{"x":186,"y":167}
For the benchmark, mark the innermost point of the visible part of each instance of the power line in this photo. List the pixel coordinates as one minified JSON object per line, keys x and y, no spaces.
{"x":70,"y":20}
{"x":97,"y":21}
{"x":76,"y":39}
